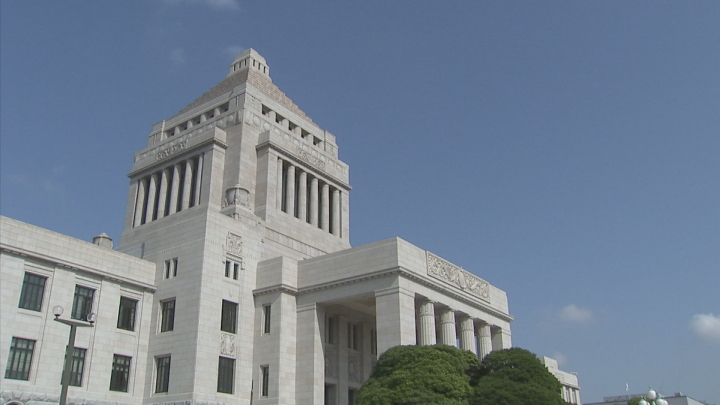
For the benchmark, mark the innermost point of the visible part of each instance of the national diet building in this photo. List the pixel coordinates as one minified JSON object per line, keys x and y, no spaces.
{"x":234,"y":281}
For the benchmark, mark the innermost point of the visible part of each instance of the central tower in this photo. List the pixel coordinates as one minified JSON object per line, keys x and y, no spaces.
{"x":239,"y":176}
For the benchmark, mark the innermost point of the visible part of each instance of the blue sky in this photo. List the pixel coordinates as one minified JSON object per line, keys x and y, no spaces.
{"x":566,"y":152}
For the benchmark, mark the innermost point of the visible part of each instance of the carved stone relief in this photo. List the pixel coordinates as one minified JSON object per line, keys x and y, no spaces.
{"x":227,"y":344}
{"x":162,"y":154}
{"x":448,"y":272}
{"x":234,"y":244}
{"x":306,"y":156}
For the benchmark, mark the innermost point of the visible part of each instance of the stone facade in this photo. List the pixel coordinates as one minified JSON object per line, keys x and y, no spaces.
{"x":238,"y":220}
{"x":569,"y":381}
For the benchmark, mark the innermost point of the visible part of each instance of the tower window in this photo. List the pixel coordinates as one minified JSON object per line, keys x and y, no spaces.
{"x":167,"y":313}
{"x":228,"y":321}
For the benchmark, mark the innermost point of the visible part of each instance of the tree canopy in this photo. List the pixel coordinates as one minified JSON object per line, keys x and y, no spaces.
{"x":446,"y":375}
{"x":515,"y":377}
{"x":419,"y":375}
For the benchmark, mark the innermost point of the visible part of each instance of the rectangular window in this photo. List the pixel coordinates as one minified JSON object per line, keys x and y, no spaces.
{"x":266,"y":318}
{"x":352,"y":396}
{"x":373,"y":341}
{"x":20,"y":358}
{"x":232,"y":269}
{"x":126,"y":313}
{"x":228,"y":321}
{"x":77,"y":367}
{"x":330,"y":332}
{"x":226,"y":375}
{"x":168,"y":315}
{"x":33,"y":289}
{"x":171,"y":267}
{"x":120,"y":373}
{"x":265,"y":370}
{"x":162,"y":382}
{"x":83,"y":302}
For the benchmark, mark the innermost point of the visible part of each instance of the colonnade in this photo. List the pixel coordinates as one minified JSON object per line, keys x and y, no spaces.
{"x":167,"y":191}
{"x":308,"y":198}
{"x":475,"y":334}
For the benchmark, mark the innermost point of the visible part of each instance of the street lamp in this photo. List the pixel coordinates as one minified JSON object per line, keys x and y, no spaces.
{"x":654,"y":397}
{"x":70,"y":350}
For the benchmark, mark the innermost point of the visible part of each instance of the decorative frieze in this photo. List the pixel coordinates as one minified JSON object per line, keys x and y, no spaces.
{"x":167,"y":152}
{"x":312,"y":160}
{"x":450,"y":273}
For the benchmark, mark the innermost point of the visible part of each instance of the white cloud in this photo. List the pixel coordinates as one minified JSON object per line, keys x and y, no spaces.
{"x":216,"y":4}
{"x":560,"y":358}
{"x":706,"y":327}
{"x":178,"y":56}
{"x":234,"y":50}
{"x":572,"y":313}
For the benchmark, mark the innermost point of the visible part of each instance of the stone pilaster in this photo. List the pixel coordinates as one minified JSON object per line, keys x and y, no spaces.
{"x":150,"y":207}
{"x":484,"y":341}
{"x":325,"y":201}
{"x":314,"y":201}
{"x":335,"y":212}
{"x":290,"y":191}
{"x":162,"y":197}
{"x":427,"y":324}
{"x":448,"y":334}
{"x":302,"y":196}
{"x":139,"y":203}
{"x":467,"y":335}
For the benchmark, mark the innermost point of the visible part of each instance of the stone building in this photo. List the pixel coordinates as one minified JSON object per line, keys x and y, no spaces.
{"x":570,"y":388}
{"x":236,"y":251}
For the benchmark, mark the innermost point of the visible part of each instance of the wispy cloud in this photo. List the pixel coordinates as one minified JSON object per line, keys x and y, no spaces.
{"x":560,"y":358}
{"x":706,"y":327}
{"x":234,"y":50}
{"x":215,"y":4}
{"x":572,"y":313}
{"x":179,"y":56}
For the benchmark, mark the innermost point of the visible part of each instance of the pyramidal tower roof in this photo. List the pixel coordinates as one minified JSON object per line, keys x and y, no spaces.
{"x":248,"y":67}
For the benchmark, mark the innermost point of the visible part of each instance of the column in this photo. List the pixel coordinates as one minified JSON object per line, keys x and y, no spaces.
{"x":139,"y":203}
{"x":467,"y":335}
{"x":187,"y":185}
{"x":335,"y":227}
{"x":314,"y":201}
{"x":394,"y":317}
{"x":484,"y":342}
{"x":302,"y":196}
{"x":198,"y":180}
{"x":500,"y":338}
{"x":448,"y":336}
{"x":152,"y":190}
{"x":325,"y":210}
{"x":279,"y":198}
{"x":427,"y":324}
{"x":174,"y":189}
{"x":162,"y":195}
{"x":310,"y":371}
{"x":290,"y":191}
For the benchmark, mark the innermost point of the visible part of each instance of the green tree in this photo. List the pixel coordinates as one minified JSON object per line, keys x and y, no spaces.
{"x":407,"y":375}
{"x":515,"y":377}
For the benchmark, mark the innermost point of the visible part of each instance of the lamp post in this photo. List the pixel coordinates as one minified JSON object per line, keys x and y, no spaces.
{"x":654,"y":397}
{"x":70,"y":350}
